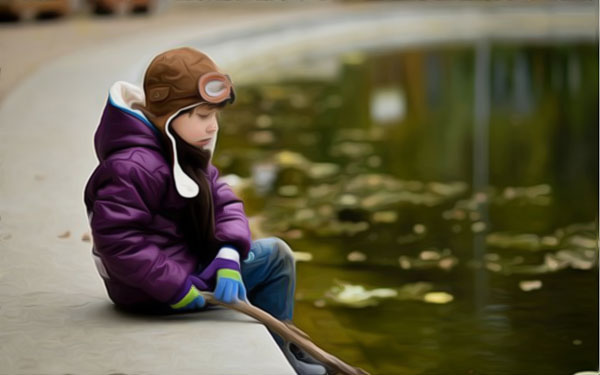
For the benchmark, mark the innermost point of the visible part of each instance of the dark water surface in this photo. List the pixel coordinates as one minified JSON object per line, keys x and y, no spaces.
{"x":460,"y":182}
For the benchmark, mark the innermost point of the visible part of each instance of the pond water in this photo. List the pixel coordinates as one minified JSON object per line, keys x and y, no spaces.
{"x":442,"y":200}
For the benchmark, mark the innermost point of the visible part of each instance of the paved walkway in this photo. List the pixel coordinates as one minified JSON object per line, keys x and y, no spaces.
{"x":54,"y":314}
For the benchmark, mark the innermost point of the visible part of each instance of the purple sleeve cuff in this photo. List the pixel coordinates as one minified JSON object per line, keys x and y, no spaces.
{"x":208,"y":276}
{"x":217,"y":264}
{"x":198,"y":283}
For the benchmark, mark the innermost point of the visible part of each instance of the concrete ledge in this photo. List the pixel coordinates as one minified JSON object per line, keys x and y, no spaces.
{"x":53,"y":333}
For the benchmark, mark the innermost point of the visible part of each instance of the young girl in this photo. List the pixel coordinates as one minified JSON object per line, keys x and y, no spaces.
{"x":163,"y":226}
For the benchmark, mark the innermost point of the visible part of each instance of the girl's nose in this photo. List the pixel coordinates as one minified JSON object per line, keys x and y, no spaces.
{"x":212,"y":127}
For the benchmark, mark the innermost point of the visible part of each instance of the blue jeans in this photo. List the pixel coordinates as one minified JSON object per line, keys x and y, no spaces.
{"x":269,"y":274}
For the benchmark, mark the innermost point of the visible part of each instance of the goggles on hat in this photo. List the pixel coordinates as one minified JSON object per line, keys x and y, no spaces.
{"x":215,"y":87}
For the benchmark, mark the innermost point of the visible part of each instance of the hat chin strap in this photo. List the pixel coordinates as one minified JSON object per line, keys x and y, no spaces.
{"x":186,"y":187}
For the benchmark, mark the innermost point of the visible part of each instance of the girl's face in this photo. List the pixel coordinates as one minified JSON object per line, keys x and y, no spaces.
{"x":197,"y":127}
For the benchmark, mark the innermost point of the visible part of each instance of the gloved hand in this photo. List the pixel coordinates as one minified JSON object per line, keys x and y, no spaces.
{"x":192,"y":299}
{"x":226,"y":268}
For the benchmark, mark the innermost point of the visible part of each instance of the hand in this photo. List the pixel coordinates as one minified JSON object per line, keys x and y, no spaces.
{"x":230,"y":286}
{"x":226,"y":269}
{"x":192,"y":299}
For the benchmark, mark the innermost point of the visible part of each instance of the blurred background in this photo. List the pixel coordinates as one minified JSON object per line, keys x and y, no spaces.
{"x":434,"y":165}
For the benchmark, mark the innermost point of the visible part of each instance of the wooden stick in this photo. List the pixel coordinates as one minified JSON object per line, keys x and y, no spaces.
{"x":290,"y":333}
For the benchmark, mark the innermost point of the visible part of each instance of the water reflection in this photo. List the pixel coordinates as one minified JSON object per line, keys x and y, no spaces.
{"x":463,"y":176}
{"x":481,"y":156}
{"x":388,"y":105}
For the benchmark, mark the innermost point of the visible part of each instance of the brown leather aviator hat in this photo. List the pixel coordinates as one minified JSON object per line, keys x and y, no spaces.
{"x":177,"y":80}
{"x":182,"y":78}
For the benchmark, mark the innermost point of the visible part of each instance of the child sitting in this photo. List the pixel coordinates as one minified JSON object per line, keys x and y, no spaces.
{"x":164,"y":226}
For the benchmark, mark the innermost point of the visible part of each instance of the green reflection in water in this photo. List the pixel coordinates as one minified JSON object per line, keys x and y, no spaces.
{"x":372,"y":173}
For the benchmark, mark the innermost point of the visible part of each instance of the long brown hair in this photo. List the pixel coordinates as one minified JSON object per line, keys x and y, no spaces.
{"x":198,"y":220}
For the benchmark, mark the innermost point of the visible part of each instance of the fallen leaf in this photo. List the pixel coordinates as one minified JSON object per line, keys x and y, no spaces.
{"x":478,"y":227}
{"x":523,"y":241}
{"x":262,"y":137}
{"x":357,"y":296}
{"x":302,"y":256}
{"x":474,"y":216}
{"x":529,"y":285}
{"x":549,"y":241}
{"x":448,"y":263}
{"x":414,"y":291}
{"x":404,"y":262}
{"x":494,"y":267}
{"x":429,"y":255}
{"x":419,"y":228}
{"x":438,"y":297}
{"x":356,"y":256}
{"x":288,"y":190}
{"x":264,"y":121}
{"x":385,"y":216}
{"x":291,"y":159}
{"x":323,"y":170}
{"x":348,"y":200}
{"x":584,"y":242}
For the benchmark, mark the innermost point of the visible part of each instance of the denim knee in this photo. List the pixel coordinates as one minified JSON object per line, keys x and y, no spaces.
{"x":275,"y":254}
{"x":283,"y":253}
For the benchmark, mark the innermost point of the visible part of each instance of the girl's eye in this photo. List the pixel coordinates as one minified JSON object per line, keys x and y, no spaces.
{"x":203,"y":116}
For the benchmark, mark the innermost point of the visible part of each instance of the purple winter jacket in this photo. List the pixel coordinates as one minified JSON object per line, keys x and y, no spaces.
{"x":134,"y":210}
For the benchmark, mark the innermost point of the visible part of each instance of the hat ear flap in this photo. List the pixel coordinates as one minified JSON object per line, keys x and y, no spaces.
{"x":158,"y":94}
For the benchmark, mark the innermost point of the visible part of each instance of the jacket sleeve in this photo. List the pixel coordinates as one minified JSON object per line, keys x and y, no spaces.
{"x":231,"y":224}
{"x":122,"y":213}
